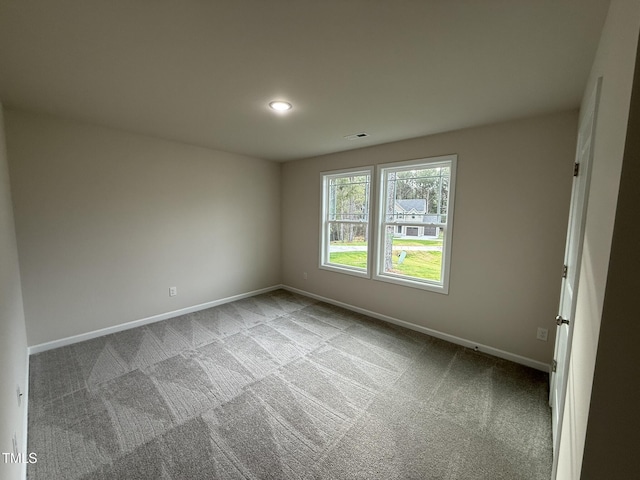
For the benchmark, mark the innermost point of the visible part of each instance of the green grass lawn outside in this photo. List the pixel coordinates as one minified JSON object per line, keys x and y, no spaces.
{"x":349,"y":259}
{"x":427,"y":265}
{"x":406,"y":242}
{"x":403,"y":242}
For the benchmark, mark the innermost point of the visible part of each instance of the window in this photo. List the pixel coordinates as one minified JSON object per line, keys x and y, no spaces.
{"x":345,"y":221}
{"x":421,"y":257}
{"x":413,"y":231}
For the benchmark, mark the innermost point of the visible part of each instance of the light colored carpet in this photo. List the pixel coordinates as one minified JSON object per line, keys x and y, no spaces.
{"x":279,"y":386}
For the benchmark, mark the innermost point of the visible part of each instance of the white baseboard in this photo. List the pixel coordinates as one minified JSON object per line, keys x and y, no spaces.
{"x":434,"y":333}
{"x":43,"y":347}
{"x":164,"y":316}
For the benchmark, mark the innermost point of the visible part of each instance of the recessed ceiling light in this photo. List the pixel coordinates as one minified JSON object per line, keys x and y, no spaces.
{"x":280,"y":106}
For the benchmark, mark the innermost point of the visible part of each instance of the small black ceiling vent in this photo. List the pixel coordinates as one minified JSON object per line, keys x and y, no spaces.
{"x":356,"y":136}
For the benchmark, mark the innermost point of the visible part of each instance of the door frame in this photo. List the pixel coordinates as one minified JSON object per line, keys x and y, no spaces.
{"x":575,"y":240}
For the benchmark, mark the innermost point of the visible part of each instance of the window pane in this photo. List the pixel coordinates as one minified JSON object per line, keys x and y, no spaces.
{"x":348,"y":246}
{"x":418,"y":195}
{"x":413,"y":256}
{"x":349,"y":198}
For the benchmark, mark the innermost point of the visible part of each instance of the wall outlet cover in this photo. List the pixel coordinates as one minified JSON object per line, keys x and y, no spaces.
{"x":543,"y":334}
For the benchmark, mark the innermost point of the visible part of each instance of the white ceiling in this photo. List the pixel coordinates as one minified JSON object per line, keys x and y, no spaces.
{"x":203,"y":71}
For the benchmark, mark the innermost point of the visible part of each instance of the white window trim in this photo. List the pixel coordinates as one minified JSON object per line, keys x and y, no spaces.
{"x":438,"y":287}
{"x":324,"y":242}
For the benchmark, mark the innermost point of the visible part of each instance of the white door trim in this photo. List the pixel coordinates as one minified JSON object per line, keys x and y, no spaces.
{"x":573,"y":256}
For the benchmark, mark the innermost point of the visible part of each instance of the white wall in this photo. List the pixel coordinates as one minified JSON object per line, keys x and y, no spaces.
{"x":614,"y":61}
{"x":107,"y":221}
{"x":611,"y":446}
{"x":511,"y":209}
{"x":13,"y":339}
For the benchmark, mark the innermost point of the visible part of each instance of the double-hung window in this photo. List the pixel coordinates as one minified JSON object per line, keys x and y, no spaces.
{"x":415,"y":218}
{"x":413,"y":224}
{"x":345,"y":221}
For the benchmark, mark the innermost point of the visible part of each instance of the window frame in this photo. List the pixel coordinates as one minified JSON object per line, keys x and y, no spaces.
{"x":381,"y":224}
{"x":325,"y":240}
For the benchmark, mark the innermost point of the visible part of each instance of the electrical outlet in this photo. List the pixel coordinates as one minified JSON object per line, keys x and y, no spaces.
{"x":304,"y":275}
{"x":543,"y":334}
{"x":173,"y":291}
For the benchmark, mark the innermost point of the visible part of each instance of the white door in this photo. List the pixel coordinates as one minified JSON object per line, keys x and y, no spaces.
{"x":572,"y":257}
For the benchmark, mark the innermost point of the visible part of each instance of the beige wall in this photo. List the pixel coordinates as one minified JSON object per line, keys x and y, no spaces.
{"x":107,"y":221}
{"x":13,"y":340}
{"x":614,"y":61}
{"x":511,"y":208}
